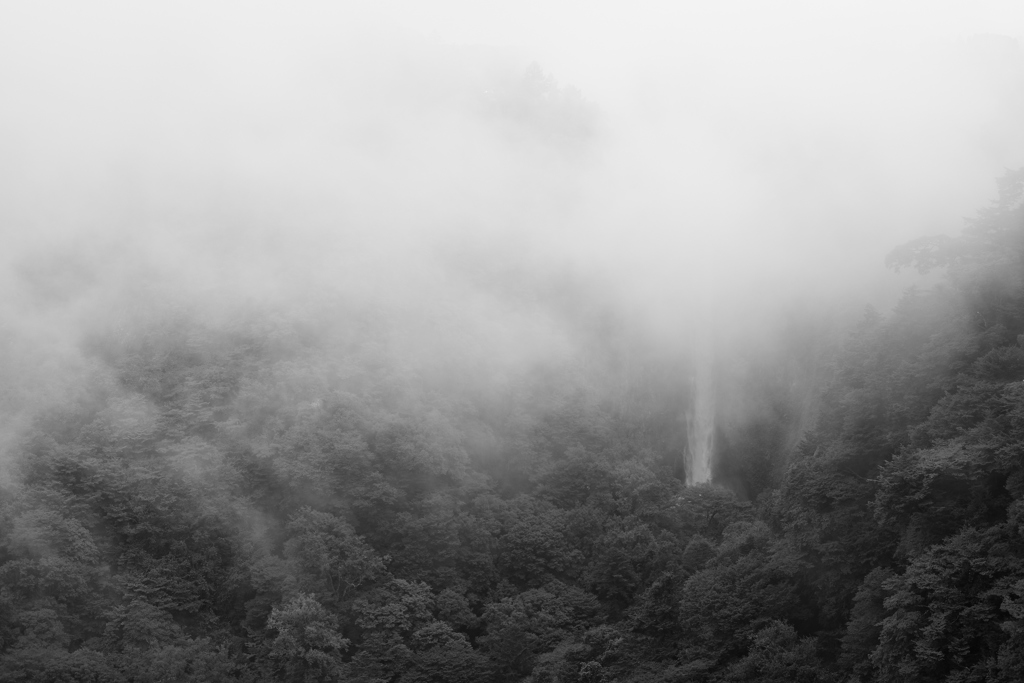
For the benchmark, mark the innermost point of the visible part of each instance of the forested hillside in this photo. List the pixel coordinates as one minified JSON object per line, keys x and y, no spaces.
{"x":273,"y":496}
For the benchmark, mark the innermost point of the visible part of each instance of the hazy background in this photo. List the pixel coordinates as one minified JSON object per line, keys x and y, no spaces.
{"x":479,"y":171}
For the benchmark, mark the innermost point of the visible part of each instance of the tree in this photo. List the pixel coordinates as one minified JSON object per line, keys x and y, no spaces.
{"x":307,"y":645}
{"x":942,"y":621}
{"x":778,"y":655}
{"x":332,"y":557}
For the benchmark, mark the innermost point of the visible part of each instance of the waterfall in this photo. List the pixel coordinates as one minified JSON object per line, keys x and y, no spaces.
{"x":700,"y":418}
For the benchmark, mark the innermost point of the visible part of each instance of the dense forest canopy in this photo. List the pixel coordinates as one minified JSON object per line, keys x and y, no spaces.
{"x":273,"y":495}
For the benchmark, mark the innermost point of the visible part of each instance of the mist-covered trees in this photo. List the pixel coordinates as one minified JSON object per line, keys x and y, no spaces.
{"x":918,"y":449}
{"x":261,"y":499}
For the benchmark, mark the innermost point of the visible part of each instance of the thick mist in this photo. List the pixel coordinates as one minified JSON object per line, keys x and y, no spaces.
{"x":493,"y":184}
{"x":546,"y":341}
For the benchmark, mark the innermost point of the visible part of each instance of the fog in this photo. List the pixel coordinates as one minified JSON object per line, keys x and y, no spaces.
{"x":716,"y":166}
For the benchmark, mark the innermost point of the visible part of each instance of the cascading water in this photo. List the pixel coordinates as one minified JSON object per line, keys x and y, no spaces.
{"x":700,"y":419}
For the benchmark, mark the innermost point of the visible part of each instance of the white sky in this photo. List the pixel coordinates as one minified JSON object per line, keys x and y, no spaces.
{"x":767,"y":148}
{"x":584,"y":40}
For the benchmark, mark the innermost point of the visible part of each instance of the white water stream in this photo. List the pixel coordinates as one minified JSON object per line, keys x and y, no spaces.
{"x":700,"y":418}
